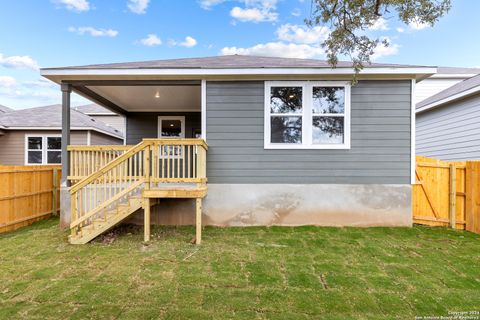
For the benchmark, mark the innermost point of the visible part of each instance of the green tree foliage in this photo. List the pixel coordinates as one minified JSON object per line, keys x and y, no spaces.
{"x":349,"y":20}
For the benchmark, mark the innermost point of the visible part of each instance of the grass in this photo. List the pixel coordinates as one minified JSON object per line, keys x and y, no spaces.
{"x":241,"y":273}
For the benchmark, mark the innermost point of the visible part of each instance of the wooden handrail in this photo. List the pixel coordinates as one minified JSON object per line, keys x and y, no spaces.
{"x":99,"y":148}
{"x":179,"y":142}
{"x":108,"y":166}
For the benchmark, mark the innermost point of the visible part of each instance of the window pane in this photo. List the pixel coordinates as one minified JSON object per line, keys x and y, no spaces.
{"x":35,"y":143}
{"x":54,"y":143}
{"x":286,"y":129}
{"x":327,"y":130}
{"x":171,"y":128}
{"x":286,"y":100}
{"x":54,"y":157}
{"x":328,"y":100}
{"x":35,"y":157}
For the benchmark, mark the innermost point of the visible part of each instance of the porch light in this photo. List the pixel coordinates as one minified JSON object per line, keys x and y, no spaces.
{"x":157,"y":95}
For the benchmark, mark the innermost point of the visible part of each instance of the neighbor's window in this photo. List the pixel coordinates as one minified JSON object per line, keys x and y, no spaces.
{"x":307,"y":115}
{"x":43,"y":150}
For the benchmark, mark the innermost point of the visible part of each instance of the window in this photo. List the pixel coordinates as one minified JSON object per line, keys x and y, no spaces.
{"x":41,"y":149}
{"x":169,"y":128}
{"x":307,"y":115}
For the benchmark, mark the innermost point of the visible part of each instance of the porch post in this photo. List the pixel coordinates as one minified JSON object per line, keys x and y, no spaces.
{"x":66,"y":91}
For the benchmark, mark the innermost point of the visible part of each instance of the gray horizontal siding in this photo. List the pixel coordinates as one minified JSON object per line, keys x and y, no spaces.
{"x":451,"y":132}
{"x":380,"y":151}
{"x":142,"y":125}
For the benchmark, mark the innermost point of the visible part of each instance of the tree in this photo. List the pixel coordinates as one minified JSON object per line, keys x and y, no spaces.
{"x":349,"y":20}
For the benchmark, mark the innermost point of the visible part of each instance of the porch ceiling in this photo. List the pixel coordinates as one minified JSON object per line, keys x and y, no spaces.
{"x":165,"y":98}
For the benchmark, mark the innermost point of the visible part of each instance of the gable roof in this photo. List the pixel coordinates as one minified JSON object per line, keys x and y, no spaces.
{"x":4,"y":109}
{"x":227,"y":62}
{"x":93,"y":109}
{"x":457,"y":91}
{"x":50,"y":118}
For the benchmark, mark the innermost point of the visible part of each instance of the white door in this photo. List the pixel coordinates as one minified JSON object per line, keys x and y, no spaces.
{"x":170,"y":127}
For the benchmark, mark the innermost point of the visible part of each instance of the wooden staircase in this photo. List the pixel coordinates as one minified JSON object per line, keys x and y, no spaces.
{"x":152,"y":169}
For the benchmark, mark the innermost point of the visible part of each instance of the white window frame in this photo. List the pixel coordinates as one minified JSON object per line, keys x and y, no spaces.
{"x":307,"y":115}
{"x":182,"y":126}
{"x":44,"y":149}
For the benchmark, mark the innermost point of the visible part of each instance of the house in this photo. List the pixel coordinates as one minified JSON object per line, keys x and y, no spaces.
{"x":33,"y":136}
{"x":104,"y":115}
{"x":282,"y":141}
{"x":448,"y":123}
{"x":443,"y":79}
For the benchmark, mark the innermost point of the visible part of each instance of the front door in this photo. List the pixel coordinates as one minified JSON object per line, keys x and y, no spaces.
{"x":171,"y":127}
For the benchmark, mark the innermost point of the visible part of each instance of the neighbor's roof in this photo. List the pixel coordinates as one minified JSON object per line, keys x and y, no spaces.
{"x":94,"y":109}
{"x":4,"y":109}
{"x":457,"y":91}
{"x":228,"y":62}
{"x":50,"y":118}
{"x":457,"y":70}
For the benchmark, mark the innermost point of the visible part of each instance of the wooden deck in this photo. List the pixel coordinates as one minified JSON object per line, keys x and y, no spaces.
{"x":112,"y":182}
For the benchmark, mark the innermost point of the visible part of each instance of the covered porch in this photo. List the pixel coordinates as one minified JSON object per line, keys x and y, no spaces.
{"x":164,"y":154}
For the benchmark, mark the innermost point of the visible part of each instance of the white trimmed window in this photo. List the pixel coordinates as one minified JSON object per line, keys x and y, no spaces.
{"x":307,"y":115}
{"x":43,"y":149}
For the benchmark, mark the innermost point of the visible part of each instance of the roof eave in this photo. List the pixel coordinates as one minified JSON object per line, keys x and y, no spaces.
{"x":57,"y":74}
{"x":452,"y":98}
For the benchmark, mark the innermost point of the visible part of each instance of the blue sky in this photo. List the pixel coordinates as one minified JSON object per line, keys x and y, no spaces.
{"x":49,"y":33}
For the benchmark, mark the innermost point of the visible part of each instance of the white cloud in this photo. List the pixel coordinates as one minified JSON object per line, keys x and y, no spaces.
{"x":94,"y":32}
{"x":138,"y":6}
{"x":151,"y":40}
{"x":302,"y":34}
{"x":208,"y":4}
{"x":418,"y":25}
{"x":296,"y":12}
{"x":383,"y":51}
{"x":7,"y":82}
{"x":379,"y":24}
{"x":277,"y":49}
{"x":253,"y":14}
{"x":18,"y":62}
{"x":75,"y":5}
{"x":400,"y":30}
{"x":189,"y":42}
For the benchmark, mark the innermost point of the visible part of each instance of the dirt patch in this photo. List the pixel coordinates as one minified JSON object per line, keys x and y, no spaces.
{"x":110,"y":236}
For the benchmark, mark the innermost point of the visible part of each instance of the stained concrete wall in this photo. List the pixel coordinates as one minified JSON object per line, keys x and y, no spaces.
{"x":292,"y":205}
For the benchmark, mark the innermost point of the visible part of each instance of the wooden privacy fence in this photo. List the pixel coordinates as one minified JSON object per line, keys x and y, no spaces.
{"x":447,"y":194}
{"x":28,"y":194}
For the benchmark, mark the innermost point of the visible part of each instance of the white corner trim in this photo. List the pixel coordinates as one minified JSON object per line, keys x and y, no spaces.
{"x":413,"y":162}
{"x":204,"y":110}
{"x":89,"y":138}
{"x":449,"y":99}
{"x":307,"y":114}
{"x":235,"y":71}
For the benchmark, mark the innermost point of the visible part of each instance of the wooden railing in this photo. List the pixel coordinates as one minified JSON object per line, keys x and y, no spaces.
{"x":149,"y":164}
{"x":85,"y":160}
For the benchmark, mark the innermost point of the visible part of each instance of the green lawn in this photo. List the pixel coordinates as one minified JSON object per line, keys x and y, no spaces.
{"x":242,"y":273}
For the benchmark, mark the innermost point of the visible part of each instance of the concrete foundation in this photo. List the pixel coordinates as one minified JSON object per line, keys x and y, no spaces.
{"x":64,"y":207}
{"x":291,"y":205}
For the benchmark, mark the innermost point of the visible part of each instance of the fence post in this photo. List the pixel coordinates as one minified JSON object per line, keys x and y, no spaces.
{"x":453,"y":195}
{"x":471,"y":197}
{"x":54,"y":191}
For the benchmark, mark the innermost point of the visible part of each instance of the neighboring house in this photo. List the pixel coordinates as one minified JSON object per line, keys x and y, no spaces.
{"x":33,"y":136}
{"x":290,"y":142}
{"x":443,"y":79}
{"x":4,"y":109}
{"x":448,"y":123}
{"x":100,"y":113}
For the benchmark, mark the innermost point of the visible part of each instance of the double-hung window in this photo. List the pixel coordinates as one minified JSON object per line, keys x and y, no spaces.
{"x":307,"y":115}
{"x":41,"y":149}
